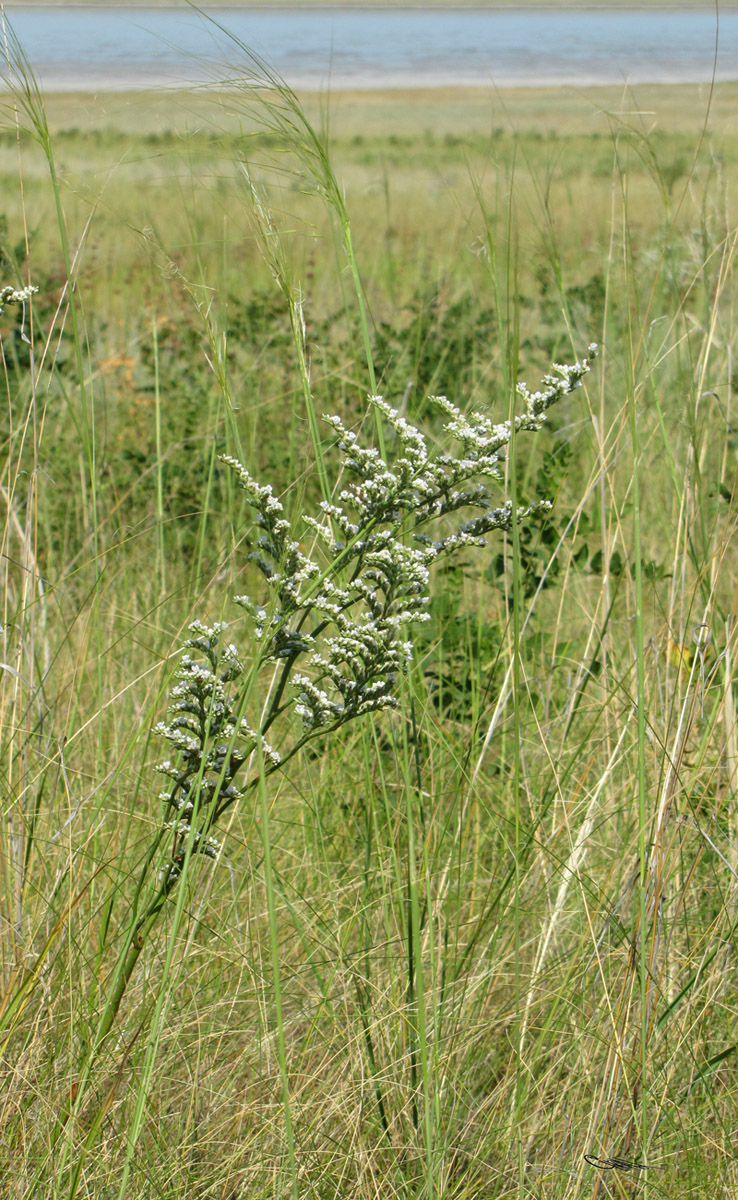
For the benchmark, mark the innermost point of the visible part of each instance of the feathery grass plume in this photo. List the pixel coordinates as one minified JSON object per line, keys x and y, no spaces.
{"x":268,"y":99}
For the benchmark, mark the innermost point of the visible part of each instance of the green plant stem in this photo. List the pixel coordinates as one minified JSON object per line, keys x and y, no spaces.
{"x":276,"y":981}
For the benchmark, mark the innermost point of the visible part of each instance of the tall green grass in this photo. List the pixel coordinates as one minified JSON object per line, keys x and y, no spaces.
{"x":459,"y":948}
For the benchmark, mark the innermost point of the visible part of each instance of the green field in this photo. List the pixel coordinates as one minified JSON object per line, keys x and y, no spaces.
{"x":447,"y":950}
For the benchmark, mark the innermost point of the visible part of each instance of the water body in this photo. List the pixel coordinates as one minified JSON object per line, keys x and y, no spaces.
{"x":90,"y":48}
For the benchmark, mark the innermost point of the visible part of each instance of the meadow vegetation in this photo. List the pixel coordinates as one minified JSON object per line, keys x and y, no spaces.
{"x":462,"y":945}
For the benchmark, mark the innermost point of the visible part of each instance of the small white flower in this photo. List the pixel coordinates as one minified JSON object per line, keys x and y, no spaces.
{"x":11,"y":295}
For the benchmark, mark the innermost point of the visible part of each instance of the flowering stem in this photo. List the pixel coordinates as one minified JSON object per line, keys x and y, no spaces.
{"x":366,"y":585}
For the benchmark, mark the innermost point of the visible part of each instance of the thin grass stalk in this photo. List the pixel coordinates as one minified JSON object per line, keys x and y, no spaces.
{"x":276,"y":978}
{"x":282,"y":112}
{"x":417,"y":988}
{"x":27,"y":94}
{"x":617,"y":1067}
{"x":159,"y":459}
{"x":571,"y":874}
{"x":639,"y":939}
{"x":164,"y":997}
{"x":274,"y":255}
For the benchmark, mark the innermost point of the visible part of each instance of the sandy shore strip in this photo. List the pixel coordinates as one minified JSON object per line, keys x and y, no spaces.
{"x":82,"y":77}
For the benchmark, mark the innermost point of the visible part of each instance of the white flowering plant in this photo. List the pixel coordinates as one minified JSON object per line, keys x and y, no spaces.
{"x":332,"y":623}
{"x":330,"y":629}
{"x":10,"y":295}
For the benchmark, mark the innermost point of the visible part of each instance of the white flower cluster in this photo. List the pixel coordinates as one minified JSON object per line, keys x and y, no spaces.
{"x":348,"y":612}
{"x":276,"y":553}
{"x":210,"y":739}
{"x":11,"y":295}
{"x":341,"y":612}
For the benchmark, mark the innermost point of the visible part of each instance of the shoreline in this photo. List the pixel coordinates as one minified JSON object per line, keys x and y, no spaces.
{"x":338,"y":85}
{"x":149,"y":78}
